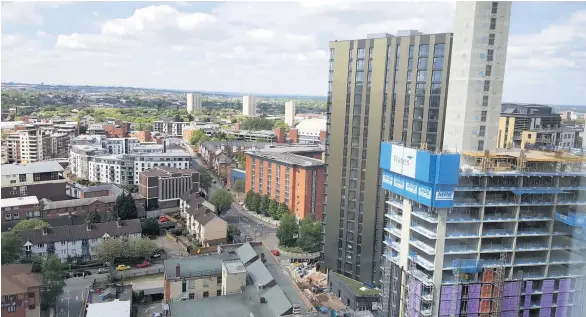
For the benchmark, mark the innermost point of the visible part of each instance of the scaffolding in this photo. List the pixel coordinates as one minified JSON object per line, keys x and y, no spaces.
{"x":418,"y":294}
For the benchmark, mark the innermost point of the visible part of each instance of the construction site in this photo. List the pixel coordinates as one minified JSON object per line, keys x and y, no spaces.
{"x":513,"y":242}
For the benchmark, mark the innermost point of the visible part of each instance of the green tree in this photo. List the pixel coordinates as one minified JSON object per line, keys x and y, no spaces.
{"x":205,"y":180}
{"x":196,"y":136}
{"x":282,"y":124}
{"x":264,"y":204}
{"x":274,"y":209}
{"x":257,"y":124}
{"x":288,"y":231}
{"x":30,"y":224}
{"x":53,"y":282}
{"x":150,"y":227}
{"x":248,"y":199}
{"x":232,"y":232}
{"x":139,"y":248}
{"x":238,"y":186}
{"x":309,"y":235}
{"x":93,"y":217}
{"x":283,"y":210}
{"x":222,"y":199}
{"x":125,"y":207}
{"x":11,"y":247}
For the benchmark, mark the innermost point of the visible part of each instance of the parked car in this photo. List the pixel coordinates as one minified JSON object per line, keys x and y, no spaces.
{"x":276,"y":252}
{"x":122,"y":267}
{"x":65,"y":275}
{"x":164,"y":219}
{"x":144,"y":264}
{"x":81,"y":273}
{"x":156,"y":255}
{"x":103,"y":270}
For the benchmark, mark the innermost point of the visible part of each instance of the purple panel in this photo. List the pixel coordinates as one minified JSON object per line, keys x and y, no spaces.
{"x":449,"y":295}
{"x":511,"y":288}
{"x":473,"y":305}
{"x":526,"y":313}
{"x":474,"y":291}
{"x":563,"y":299}
{"x":546,"y":300}
{"x":548,"y":286}
{"x":511,"y":314}
{"x":510,"y":303}
{"x":545,"y":312}
{"x":561,"y":312}
{"x":566,"y":282}
{"x":528,"y":292}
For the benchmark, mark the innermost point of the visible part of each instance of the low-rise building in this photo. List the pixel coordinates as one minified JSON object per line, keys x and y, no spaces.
{"x":238,"y":280}
{"x":564,"y":137}
{"x":203,"y":223}
{"x":116,"y":129}
{"x":21,"y":291}
{"x":20,"y":208}
{"x":118,"y":308}
{"x":309,"y":131}
{"x":169,"y":128}
{"x":40,"y":179}
{"x":289,"y":178}
{"x":353,"y":293}
{"x":104,"y":205}
{"x":76,"y":242}
{"x":162,"y":186}
{"x":76,"y":190}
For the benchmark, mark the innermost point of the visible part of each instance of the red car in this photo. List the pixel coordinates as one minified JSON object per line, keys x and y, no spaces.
{"x":144,"y":264}
{"x":164,"y":219}
{"x":276,"y":252}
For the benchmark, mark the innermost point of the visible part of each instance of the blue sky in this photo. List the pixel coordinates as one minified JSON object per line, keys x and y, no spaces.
{"x":277,"y":48}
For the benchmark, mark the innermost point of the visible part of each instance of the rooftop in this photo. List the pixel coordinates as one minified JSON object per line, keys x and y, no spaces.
{"x":30,"y":168}
{"x":357,"y":287}
{"x":166,"y":171}
{"x":84,"y":201}
{"x":108,"y":309}
{"x":81,"y":232}
{"x":17,"y":278}
{"x":288,"y":158}
{"x":19,"y":201}
{"x":530,"y":155}
{"x":234,"y":267}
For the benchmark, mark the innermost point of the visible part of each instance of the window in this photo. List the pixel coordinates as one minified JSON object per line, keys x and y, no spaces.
{"x":438,"y":50}
{"x":359,"y":76}
{"x":219,"y":292}
{"x":480,"y":145}
{"x":424,"y":50}
{"x":422,"y":63}
{"x":31,"y":295}
{"x":191,"y":295}
{"x":485,"y":101}
{"x":420,"y":89}
{"x":410,"y":51}
{"x":419,"y":101}
{"x":12,"y":308}
{"x":332,"y":51}
{"x":350,"y":53}
{"x":31,"y":306}
{"x":492,"y":23}
{"x":409,"y":75}
{"x":436,"y":76}
{"x":483,"y":115}
{"x":360,"y":53}
{"x":486,"y":85}
{"x":184,"y":286}
{"x":370,"y":52}
{"x":436,"y":89}
{"x":206,"y":294}
{"x":488,"y":70}
{"x":438,"y":62}
{"x":490,"y":55}
{"x":434,"y":101}
{"x":482,"y":131}
{"x":22,"y":178}
{"x":491,"y":39}
{"x":219,"y":280}
{"x":410,"y":64}
{"x":8,"y":216}
{"x":495,"y":6}
{"x":360,"y":64}
{"x":421,"y":75}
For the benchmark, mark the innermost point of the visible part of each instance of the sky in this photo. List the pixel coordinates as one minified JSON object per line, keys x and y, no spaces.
{"x":265,"y":47}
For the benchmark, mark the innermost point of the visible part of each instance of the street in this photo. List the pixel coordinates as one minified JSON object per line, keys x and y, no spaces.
{"x":71,"y":302}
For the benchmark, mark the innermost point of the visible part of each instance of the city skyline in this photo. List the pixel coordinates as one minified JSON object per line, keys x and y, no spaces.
{"x":143,"y":44}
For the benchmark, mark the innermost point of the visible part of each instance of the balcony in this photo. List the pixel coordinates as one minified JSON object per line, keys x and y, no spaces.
{"x":427,"y":216}
{"x":427,"y":232}
{"x":423,"y":262}
{"x":459,"y":249}
{"x":498,"y":217}
{"x":531,"y":246}
{"x":392,"y":256}
{"x":527,"y":261}
{"x":532,"y":232}
{"x":394,"y":216}
{"x":497,"y":233}
{"x":422,"y":246}
{"x":461,"y":218}
{"x":493,"y":247}
{"x":568,"y":259}
{"x":423,"y":277}
{"x":393,"y":244}
{"x":462,"y":233}
{"x":470,"y":202}
{"x":393,"y":230}
{"x":535,"y":217}
{"x":500,"y":202}
{"x":395,"y":203}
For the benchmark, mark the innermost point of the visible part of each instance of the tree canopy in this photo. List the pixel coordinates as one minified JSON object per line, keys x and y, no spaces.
{"x":309,"y":235}
{"x":257,"y":124}
{"x":93,"y":217}
{"x":125,"y":207}
{"x":151,"y":227}
{"x":111,"y":250}
{"x":288,"y":231}
{"x":222,"y":199}
{"x":252,"y":201}
{"x":11,"y":247}
{"x":29,"y":224}
{"x":232,"y":232}
{"x":282,"y":124}
{"x":53,"y":282}
{"x":205,"y":179}
{"x":238,"y":186}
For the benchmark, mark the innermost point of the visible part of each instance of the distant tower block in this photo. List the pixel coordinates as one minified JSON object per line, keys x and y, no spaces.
{"x":249,"y":106}
{"x":290,"y":113}
{"x":193,"y":102}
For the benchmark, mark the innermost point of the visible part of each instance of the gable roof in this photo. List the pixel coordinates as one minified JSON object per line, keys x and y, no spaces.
{"x":246,"y":253}
{"x":17,"y":278}
{"x":80,"y":232}
{"x":84,"y":201}
{"x":259,"y":273}
{"x":277,"y":301}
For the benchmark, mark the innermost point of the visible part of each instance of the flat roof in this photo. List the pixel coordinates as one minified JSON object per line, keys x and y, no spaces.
{"x":357,"y":287}
{"x":19,"y":201}
{"x":531,"y":155}
{"x":109,"y":309}
{"x":234,"y":267}
{"x":30,"y":168}
{"x":288,"y":158}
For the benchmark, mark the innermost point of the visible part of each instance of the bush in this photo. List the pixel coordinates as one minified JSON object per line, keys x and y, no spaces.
{"x":177,"y":232}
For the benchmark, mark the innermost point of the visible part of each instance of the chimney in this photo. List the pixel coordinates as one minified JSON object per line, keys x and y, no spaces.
{"x":177,"y":270}
{"x":45,"y":231}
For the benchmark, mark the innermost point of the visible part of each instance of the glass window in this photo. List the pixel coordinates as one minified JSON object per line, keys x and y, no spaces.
{"x":438,"y":62}
{"x":436,"y":89}
{"x":331,"y":65}
{"x":480,"y":145}
{"x":359,"y":76}
{"x":410,"y":51}
{"x":488,"y":70}
{"x":350,"y":54}
{"x":370,"y":52}
{"x":422,"y":63}
{"x":438,"y":50}
{"x":490,"y":55}
{"x":331,"y":53}
{"x":421,"y":75}
{"x":483,"y":115}
{"x":434,"y":101}
{"x":424,"y":50}
{"x":360,"y":53}
{"x":331,"y":76}
{"x":397,"y":63}
{"x":420,"y":89}
{"x":409,"y":72}
{"x":486,"y":85}
{"x":436,"y":76}
{"x":410,"y":63}
{"x":485,"y":101}
{"x":419,"y":101}
{"x":482,"y":131}
{"x":369,"y":77}
{"x":360,"y":64}
{"x":491,"y":39}
{"x":398,"y":50}
{"x":492,"y":23}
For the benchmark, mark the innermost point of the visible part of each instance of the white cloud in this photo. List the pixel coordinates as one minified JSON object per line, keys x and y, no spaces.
{"x":273,"y":47}
{"x":26,"y":12}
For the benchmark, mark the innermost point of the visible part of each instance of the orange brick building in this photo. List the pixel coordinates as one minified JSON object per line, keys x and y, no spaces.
{"x":143,"y":136}
{"x":118,"y":129}
{"x":293,"y":179}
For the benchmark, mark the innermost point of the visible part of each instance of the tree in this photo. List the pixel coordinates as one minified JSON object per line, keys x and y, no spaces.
{"x":255,"y":203}
{"x":30,"y":224}
{"x":53,"y":282}
{"x":177,"y":118}
{"x":125,"y":208}
{"x":309,"y":235}
{"x":205,"y":180}
{"x":111,"y":250}
{"x":282,"y":124}
{"x":92,"y":217}
{"x":248,"y":199}
{"x":222,"y":199}
{"x":264,"y":204}
{"x":196,"y":137}
{"x":274,"y":209}
{"x":238,"y":186}
{"x":232,"y":232}
{"x":257,"y":124}
{"x":283,"y":210}
{"x":10,"y":247}
{"x":288,"y":231}
{"x":140,"y":248}
{"x":150,"y":227}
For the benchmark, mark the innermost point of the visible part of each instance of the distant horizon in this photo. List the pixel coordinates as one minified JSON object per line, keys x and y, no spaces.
{"x":234,"y":93}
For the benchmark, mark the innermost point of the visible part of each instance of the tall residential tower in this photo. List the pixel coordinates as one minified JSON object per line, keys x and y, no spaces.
{"x":193,"y":102}
{"x":477,"y":72}
{"x":249,"y":106}
{"x":384,"y":87}
{"x":290,"y":113}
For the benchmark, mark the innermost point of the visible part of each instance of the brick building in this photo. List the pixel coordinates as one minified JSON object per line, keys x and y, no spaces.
{"x":142,"y":136}
{"x":20,"y":208}
{"x":103,"y":205}
{"x":287,"y":177}
{"x":41,"y":179}
{"x":117,"y":129}
{"x":162,"y":186}
{"x":21,"y":291}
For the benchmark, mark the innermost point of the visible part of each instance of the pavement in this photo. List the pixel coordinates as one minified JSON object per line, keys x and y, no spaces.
{"x":72,"y":302}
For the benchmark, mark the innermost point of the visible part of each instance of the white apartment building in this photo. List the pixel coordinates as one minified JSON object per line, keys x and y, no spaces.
{"x":290,"y":113}
{"x":193,"y":102}
{"x":120,"y":145}
{"x":77,"y":242}
{"x":477,"y":72}
{"x":169,"y":128}
{"x":249,"y":106}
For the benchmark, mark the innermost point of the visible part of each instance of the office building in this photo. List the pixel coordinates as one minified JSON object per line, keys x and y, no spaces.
{"x":498,"y":233}
{"x":381,"y":87}
{"x":290,"y":113}
{"x":163,"y":186}
{"x":309,"y":131}
{"x":21,"y":291}
{"x":249,"y":106}
{"x":290,"y":178}
{"x":40,"y":179}
{"x":193,"y":102}
{"x":517,"y":118}
{"x":477,"y":71}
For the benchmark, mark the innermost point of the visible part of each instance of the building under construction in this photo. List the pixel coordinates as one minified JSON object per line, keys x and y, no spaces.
{"x":483,"y":234}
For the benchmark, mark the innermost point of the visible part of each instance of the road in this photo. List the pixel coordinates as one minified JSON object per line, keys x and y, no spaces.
{"x":77,"y":283}
{"x":71,"y":302}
